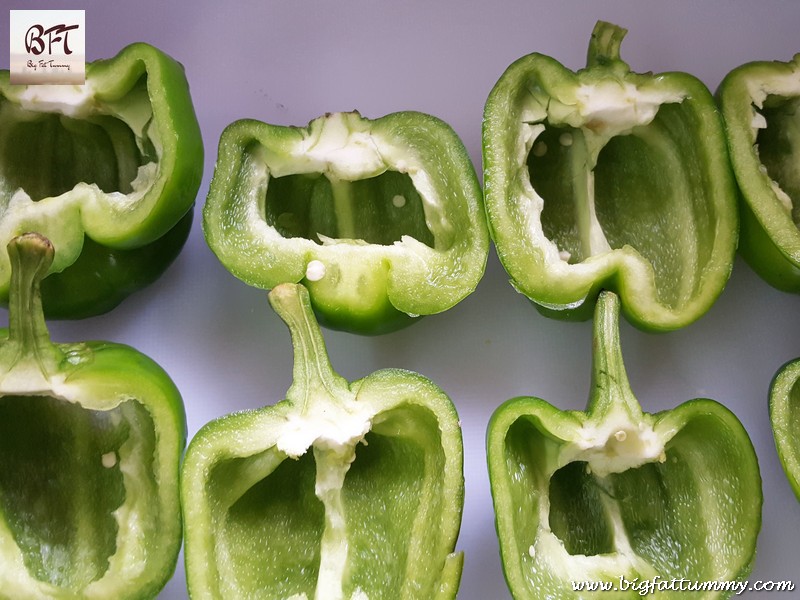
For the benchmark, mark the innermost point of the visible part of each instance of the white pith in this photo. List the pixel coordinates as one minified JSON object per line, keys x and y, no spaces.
{"x":614,"y":445}
{"x":332,"y":435}
{"x":71,"y":100}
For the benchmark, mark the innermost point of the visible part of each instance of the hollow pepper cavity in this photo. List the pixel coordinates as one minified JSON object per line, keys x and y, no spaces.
{"x":91,"y":436}
{"x":614,"y":493}
{"x":760,"y":102}
{"x":609,"y":179}
{"x":382,"y":220}
{"x":108,"y":171}
{"x":339,"y":491}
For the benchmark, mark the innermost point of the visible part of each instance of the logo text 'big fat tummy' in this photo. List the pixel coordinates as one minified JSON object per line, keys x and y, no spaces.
{"x":48,"y":47}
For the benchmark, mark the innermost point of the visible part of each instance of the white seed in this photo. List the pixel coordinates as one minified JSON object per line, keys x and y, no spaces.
{"x":564,"y":255}
{"x":565,"y":139}
{"x":539,"y":148}
{"x":109,"y":459}
{"x":531,"y":551}
{"x":315,"y":270}
{"x":620,"y":436}
{"x":399,"y":201}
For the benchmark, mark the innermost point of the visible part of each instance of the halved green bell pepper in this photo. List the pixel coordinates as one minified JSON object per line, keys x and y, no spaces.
{"x":784,"y":415}
{"x":760,"y":102}
{"x":609,"y":179}
{"x":615,"y":493}
{"x":339,"y":491}
{"x":108,"y":171}
{"x":382,"y":220}
{"x":91,"y":436}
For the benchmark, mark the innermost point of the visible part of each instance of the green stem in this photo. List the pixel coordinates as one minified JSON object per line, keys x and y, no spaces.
{"x":312,"y":374}
{"x":317,"y":388}
{"x":604,"y":44}
{"x":611,"y":389}
{"x":31,"y":256}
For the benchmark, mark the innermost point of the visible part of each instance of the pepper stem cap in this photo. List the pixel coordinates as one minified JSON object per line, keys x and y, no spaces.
{"x":610,"y":389}
{"x":31,"y":256}
{"x":313,"y":375}
{"x":604,"y":45}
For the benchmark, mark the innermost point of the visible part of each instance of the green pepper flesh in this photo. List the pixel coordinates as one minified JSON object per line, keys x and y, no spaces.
{"x":608,"y":179}
{"x":112,"y":166}
{"x":339,"y":491}
{"x":102,"y":277}
{"x":614,"y":492}
{"x":382,"y":220}
{"x":91,"y":436}
{"x":784,"y":414}
{"x":759,"y":101}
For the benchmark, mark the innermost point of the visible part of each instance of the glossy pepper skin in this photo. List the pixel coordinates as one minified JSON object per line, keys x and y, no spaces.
{"x":609,"y":179}
{"x":342,"y":490}
{"x":760,"y":101}
{"x":91,"y":436}
{"x":107,"y":171}
{"x":615,"y":492}
{"x":784,"y":414}
{"x":382,"y":220}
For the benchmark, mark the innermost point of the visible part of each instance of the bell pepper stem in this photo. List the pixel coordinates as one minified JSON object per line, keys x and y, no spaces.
{"x":604,"y":44}
{"x":312,"y":374}
{"x":30,"y":255}
{"x":611,"y":389}
{"x":317,"y":389}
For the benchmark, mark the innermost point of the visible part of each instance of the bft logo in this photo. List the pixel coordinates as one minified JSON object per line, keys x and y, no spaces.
{"x":57,"y":34}
{"x":48,"y":47}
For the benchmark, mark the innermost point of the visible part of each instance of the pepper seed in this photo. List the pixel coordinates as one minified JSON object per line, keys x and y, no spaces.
{"x":315,"y":270}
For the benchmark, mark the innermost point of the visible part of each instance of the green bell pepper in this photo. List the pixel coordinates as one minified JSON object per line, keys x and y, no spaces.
{"x":91,"y":436}
{"x":760,"y":102}
{"x":784,"y":414}
{"x":615,"y":493}
{"x":382,"y":220}
{"x":107,"y":171}
{"x":609,"y":179}
{"x":339,"y":491}
{"x":102,"y":277}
